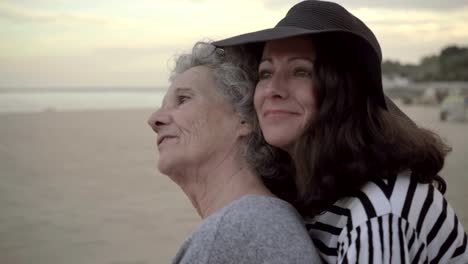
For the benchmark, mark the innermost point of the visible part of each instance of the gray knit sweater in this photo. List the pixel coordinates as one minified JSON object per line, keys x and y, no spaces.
{"x":252,"y":229}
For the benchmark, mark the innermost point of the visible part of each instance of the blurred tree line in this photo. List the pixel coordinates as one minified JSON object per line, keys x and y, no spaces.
{"x":450,"y":65}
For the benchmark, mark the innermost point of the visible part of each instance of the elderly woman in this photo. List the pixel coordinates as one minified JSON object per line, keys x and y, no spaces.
{"x":363,"y":174}
{"x":202,"y":135}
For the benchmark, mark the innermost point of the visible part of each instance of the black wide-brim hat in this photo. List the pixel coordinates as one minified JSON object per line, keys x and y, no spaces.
{"x":321,"y":18}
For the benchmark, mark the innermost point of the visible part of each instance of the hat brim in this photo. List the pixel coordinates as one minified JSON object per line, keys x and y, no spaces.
{"x":273,"y":34}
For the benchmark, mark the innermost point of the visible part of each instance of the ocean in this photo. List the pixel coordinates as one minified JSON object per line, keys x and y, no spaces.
{"x":35,"y":100}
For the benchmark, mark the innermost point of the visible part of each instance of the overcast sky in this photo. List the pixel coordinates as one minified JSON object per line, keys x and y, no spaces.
{"x":131,"y":42}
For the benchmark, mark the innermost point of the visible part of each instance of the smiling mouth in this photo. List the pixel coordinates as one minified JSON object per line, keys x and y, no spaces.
{"x":277,"y":113}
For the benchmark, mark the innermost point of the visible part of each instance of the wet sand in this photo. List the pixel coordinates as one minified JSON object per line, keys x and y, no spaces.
{"x":82,"y":187}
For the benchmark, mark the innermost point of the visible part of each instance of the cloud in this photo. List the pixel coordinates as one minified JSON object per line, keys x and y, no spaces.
{"x":25,"y":15}
{"x":384,"y":16}
{"x":120,"y":42}
{"x":174,"y":1}
{"x":279,"y":4}
{"x":409,"y":34}
{"x":403,"y":4}
{"x":396,"y":4}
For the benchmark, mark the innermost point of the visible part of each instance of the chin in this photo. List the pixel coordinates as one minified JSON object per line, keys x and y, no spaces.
{"x":164,"y":167}
{"x":279,"y":142}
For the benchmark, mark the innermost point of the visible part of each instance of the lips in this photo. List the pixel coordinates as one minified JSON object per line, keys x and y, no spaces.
{"x":277,"y":112}
{"x":162,"y":138}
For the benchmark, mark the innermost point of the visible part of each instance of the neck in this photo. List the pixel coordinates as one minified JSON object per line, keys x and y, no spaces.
{"x":213,"y":187}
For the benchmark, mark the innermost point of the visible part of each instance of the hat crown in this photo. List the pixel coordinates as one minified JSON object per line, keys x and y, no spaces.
{"x":327,"y":16}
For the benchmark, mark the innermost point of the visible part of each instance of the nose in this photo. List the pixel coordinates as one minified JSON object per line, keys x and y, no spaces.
{"x":276,"y":87}
{"x":158,"y":119}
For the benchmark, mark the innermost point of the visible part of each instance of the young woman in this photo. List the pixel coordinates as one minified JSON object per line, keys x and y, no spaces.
{"x":364,"y":172}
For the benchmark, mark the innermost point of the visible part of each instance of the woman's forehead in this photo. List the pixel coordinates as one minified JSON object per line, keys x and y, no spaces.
{"x":197,"y":74}
{"x":198,"y":80}
{"x":302,"y":45}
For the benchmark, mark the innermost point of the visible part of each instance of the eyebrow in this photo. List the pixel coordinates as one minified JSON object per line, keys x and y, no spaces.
{"x":289,"y":59}
{"x":183,"y":89}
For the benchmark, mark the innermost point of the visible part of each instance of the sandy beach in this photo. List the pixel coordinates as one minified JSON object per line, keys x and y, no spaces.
{"x":82,"y":187}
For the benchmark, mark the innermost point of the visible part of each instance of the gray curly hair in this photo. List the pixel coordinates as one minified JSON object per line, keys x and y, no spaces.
{"x":235,"y":73}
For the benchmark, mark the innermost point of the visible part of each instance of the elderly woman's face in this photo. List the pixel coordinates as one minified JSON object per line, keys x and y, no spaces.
{"x":194,"y":122}
{"x":284,"y":97}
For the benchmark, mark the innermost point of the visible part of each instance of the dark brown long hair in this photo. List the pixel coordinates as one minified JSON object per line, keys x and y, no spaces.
{"x":353,"y":139}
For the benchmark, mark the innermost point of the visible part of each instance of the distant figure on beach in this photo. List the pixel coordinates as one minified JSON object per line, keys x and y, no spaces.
{"x":366,"y":176}
{"x":203,"y":132}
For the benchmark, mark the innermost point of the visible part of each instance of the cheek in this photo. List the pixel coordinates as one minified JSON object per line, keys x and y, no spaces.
{"x":200,"y":130}
{"x":258,"y":98}
{"x":308,"y":100}
{"x":194,"y":130}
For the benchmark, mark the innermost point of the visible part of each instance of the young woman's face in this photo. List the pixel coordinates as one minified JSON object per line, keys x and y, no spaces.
{"x":284,"y":97}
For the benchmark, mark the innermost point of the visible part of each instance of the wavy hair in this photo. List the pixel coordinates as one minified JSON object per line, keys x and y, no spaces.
{"x":354,"y":140}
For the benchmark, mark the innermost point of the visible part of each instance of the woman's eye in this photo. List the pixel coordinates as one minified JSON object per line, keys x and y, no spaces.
{"x":264,"y":74}
{"x":302,"y":72}
{"x":182,"y":99}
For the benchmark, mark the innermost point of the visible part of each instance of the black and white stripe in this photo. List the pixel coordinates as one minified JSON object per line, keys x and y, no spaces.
{"x":393,"y":221}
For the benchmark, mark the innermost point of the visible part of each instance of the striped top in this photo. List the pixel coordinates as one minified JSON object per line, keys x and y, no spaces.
{"x":390,"y":221}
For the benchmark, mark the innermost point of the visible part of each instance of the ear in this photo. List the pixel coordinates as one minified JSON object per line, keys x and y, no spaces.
{"x":244,"y":128}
